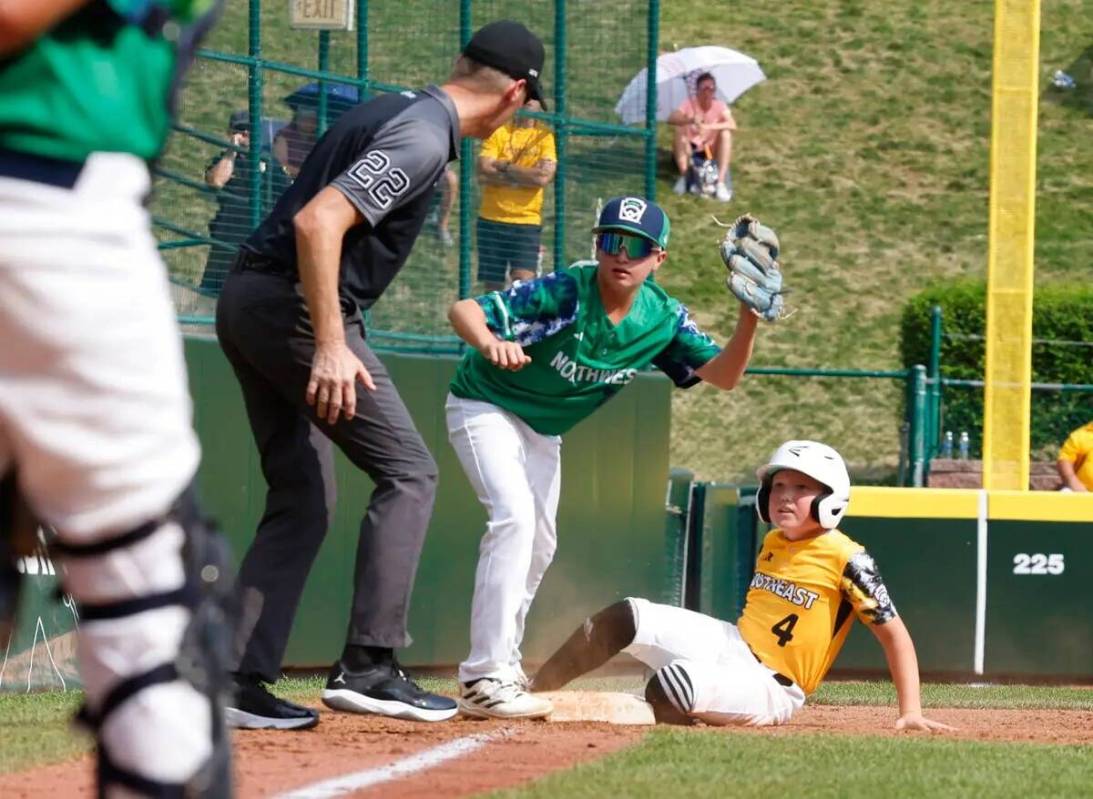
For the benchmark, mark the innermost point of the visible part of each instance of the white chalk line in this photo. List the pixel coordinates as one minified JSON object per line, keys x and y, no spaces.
{"x":358,"y":780}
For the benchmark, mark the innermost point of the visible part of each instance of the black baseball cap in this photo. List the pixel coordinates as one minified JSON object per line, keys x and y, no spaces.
{"x":511,"y":48}
{"x":239,"y":121}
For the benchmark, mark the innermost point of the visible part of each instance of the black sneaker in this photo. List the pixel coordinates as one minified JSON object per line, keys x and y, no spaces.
{"x":253,"y":707}
{"x":387,"y":690}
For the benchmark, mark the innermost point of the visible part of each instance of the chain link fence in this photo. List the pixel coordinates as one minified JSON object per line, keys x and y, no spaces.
{"x":262,"y":93}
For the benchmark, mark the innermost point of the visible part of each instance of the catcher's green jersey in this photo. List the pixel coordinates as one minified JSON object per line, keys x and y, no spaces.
{"x":579,"y":358}
{"x":100,"y":81}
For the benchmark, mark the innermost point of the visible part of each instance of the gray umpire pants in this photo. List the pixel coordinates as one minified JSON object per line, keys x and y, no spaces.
{"x":258,"y":324}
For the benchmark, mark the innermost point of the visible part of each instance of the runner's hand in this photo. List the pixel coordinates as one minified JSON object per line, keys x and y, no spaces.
{"x":916,"y":721}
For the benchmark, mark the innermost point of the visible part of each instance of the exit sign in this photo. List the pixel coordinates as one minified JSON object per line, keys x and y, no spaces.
{"x":321,"y":15}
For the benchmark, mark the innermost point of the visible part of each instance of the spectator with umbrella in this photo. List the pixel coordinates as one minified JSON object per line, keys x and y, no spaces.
{"x":680,"y":76}
{"x":704,"y":127}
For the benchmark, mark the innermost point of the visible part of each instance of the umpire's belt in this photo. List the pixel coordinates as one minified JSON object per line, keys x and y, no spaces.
{"x":39,"y":168}
{"x":247,"y":261}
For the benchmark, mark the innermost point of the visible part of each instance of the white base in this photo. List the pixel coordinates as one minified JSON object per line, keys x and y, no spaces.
{"x":613,"y":707}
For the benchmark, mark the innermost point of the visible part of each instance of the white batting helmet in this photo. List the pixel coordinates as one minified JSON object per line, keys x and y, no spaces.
{"x":820,"y":462}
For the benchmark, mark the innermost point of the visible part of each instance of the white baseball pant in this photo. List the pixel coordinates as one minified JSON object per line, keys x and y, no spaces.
{"x":707,"y":669}
{"x":95,"y":416}
{"x":516,"y":474}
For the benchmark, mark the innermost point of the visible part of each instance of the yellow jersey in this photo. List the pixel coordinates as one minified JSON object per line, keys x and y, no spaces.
{"x":1077,"y":449}
{"x":526,"y":147}
{"x":799,"y":606}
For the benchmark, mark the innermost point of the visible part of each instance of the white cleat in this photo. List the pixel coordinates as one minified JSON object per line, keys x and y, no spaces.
{"x":497,"y":699}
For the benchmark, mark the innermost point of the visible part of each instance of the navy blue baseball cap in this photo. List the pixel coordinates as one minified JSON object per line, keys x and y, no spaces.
{"x":634,"y":215}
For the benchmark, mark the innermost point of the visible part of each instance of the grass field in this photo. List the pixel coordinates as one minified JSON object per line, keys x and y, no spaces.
{"x":691,"y":762}
{"x":683,"y":763}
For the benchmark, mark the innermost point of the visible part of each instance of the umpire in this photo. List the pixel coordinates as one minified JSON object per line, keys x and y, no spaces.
{"x":289,"y":321}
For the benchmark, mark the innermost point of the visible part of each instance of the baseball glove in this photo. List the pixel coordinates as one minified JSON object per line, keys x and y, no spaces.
{"x":750,"y":252}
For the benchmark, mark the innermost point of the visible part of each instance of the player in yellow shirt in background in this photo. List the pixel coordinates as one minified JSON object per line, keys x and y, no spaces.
{"x":810,"y":581}
{"x":515,"y":165}
{"x":1075,"y":464}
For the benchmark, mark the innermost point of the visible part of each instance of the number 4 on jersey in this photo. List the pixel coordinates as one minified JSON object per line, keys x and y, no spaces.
{"x":784,"y":629}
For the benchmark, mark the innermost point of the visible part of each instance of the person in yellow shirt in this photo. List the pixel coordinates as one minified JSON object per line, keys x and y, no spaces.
{"x":1074,"y":464}
{"x":514,"y":165}
{"x":810,"y":581}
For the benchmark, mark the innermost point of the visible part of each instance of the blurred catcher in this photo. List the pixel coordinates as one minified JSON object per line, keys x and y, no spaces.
{"x":95,"y":417}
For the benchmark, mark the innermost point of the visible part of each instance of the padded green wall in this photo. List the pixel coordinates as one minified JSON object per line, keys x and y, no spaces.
{"x":610,"y":522}
{"x":1040,"y":622}
{"x":929,"y":568}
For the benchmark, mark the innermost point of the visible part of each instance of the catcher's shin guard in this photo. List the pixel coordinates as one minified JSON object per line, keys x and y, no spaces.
{"x":156,"y":624}
{"x":671,"y":693}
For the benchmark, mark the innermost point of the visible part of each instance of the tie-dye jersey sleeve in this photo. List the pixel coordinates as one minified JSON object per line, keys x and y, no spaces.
{"x":688,"y":351}
{"x":529,"y":312}
{"x":864,"y":588}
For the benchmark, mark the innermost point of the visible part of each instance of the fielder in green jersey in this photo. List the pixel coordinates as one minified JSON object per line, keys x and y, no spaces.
{"x":545,"y":355}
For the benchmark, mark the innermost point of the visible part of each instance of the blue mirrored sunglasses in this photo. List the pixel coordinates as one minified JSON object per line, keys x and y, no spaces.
{"x":635,"y":246}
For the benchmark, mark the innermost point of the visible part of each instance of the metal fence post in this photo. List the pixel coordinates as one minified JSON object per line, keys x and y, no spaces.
{"x":933,"y":431}
{"x":918,"y":427}
{"x":561,"y":131}
{"x":324,"y":65}
{"x":651,"y":101}
{"x":466,"y":175}
{"x":254,"y":79}
{"x":362,"y":47}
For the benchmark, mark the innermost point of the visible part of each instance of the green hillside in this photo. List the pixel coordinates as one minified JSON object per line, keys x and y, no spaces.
{"x":868,"y":149}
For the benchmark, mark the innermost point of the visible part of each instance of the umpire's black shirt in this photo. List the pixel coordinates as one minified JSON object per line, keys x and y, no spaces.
{"x":385,"y":156}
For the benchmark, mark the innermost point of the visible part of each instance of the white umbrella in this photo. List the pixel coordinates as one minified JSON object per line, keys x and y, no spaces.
{"x":734,"y":72}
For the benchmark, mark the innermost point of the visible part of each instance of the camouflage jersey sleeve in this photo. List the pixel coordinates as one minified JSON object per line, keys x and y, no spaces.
{"x":529,"y":312}
{"x":688,"y":351}
{"x":864,"y":588}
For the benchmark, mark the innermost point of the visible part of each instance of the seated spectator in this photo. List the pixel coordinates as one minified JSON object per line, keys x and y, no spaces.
{"x":515,"y":165}
{"x":1075,"y":463}
{"x":294,"y":141}
{"x":230,"y":173}
{"x":703,"y":124}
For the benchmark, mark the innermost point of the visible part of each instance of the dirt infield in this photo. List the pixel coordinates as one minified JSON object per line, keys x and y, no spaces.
{"x":393,"y":755}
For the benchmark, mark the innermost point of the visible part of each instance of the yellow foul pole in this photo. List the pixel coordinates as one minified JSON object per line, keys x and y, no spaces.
{"x":1007,"y":393}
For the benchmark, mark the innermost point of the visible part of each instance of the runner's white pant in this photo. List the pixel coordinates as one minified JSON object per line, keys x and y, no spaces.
{"x":516,"y":474}
{"x":96,"y":417}
{"x":714,"y":671}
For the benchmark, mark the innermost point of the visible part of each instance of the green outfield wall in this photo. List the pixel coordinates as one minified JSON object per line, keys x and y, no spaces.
{"x":611,"y":521}
{"x":991,"y":583}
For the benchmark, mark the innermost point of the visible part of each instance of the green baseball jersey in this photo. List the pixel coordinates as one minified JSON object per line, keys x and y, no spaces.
{"x":101,"y":80}
{"x":579,"y":358}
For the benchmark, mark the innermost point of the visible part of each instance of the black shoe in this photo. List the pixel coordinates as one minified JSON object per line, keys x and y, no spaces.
{"x":387,"y":690}
{"x":253,"y":707}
